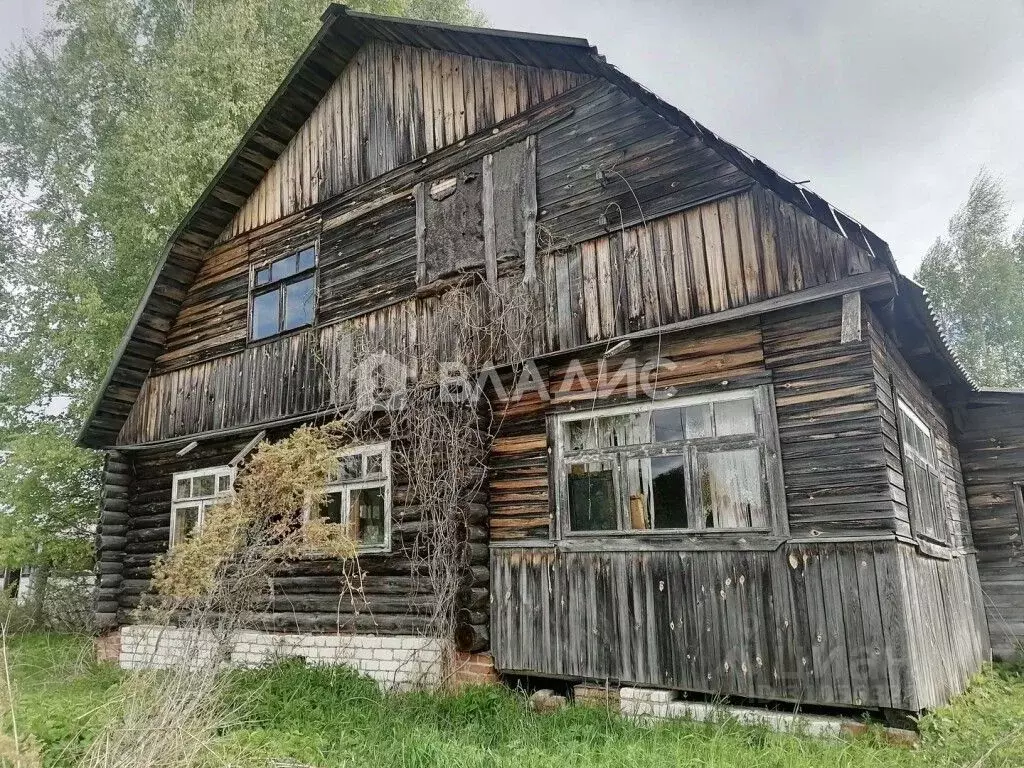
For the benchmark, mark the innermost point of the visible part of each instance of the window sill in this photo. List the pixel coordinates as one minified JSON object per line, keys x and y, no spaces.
{"x":671,"y":542}
{"x":278,"y":336}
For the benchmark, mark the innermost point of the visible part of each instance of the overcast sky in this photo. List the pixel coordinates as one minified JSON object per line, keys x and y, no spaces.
{"x":889,"y":107}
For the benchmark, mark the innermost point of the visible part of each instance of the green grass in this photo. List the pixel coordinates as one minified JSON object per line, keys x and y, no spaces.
{"x":334,"y":718}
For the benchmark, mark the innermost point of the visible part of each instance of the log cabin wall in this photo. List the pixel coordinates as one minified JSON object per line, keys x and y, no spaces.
{"x":394,"y":595}
{"x":992,"y":450}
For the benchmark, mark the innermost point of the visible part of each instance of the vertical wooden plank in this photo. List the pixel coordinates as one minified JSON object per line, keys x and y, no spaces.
{"x":530,"y":209}
{"x":487,"y":201}
{"x":419,"y":192}
{"x":750,"y":247}
{"x":605,"y":295}
{"x":682,"y":280}
{"x":715,"y":257}
{"x":768,"y":241}
{"x":850,"y":328}
{"x":451,"y":134}
{"x":789,"y":247}
{"x":698,"y":263}
{"x":812,"y":256}
{"x":853,"y":618}
{"x":577,"y":331}
{"x":734,"y":272}
{"x":591,"y":304}
{"x":817,"y":626}
{"x":564,"y":309}
{"x":648,"y":276}
{"x":469,"y":95}
{"x":665,"y":283}
{"x":631,"y":276}
{"x":894,"y":627}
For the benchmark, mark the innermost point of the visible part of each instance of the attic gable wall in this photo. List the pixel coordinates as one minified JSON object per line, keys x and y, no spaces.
{"x":392,"y":104}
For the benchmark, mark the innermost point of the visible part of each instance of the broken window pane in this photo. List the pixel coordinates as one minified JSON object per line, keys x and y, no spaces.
{"x":637,"y":473}
{"x":608,"y":432}
{"x":668,"y":480}
{"x":731,"y":489}
{"x":330,"y":510}
{"x":350,"y":467}
{"x":592,"y":503}
{"x":298,"y":304}
{"x":669,"y":424}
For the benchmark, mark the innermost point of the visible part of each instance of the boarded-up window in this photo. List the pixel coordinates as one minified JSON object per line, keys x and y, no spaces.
{"x":453,"y":225}
{"x":698,"y":463}
{"x":481,"y":218}
{"x":921,"y":476}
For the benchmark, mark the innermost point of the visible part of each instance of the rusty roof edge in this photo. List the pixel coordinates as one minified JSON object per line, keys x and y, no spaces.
{"x":927,"y":309}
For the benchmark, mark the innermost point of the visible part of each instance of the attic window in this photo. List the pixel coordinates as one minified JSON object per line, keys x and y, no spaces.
{"x":283,"y":294}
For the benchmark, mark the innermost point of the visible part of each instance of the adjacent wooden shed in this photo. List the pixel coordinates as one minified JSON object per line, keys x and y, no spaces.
{"x":747,"y":464}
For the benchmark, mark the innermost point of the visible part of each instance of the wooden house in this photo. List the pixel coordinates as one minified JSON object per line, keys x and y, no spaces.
{"x":787,"y":515}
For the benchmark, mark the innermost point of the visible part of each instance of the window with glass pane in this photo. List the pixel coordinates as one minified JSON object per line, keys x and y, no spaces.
{"x":921,"y":475}
{"x":283,"y":294}
{"x":359,"y":496}
{"x":192,"y":494}
{"x":689,"y":464}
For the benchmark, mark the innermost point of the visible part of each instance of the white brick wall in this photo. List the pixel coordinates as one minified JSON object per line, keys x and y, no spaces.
{"x":400,"y":662}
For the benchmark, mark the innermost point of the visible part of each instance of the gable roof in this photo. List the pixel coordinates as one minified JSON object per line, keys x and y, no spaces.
{"x":342,"y":33}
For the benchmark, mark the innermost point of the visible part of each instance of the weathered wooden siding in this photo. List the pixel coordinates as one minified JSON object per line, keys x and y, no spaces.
{"x":820,"y":623}
{"x":609,"y":174}
{"x":392,"y":104}
{"x":893,"y":379}
{"x":640,"y":278}
{"x":854,"y":624}
{"x":827,"y":410}
{"x":948,"y":636}
{"x":395,"y":593}
{"x":992,"y":450}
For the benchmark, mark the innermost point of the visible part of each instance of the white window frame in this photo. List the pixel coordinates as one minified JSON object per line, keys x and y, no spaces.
{"x":920,"y":521}
{"x":203,"y":502}
{"x":343,"y":486}
{"x":765,"y":436}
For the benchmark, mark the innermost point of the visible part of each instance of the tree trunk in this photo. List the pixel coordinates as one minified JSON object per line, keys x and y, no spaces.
{"x":37,"y":604}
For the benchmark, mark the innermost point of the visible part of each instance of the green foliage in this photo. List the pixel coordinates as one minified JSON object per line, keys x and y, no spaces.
{"x":975,"y":277}
{"x":47,"y":500}
{"x":112,"y":120}
{"x":327,"y":717}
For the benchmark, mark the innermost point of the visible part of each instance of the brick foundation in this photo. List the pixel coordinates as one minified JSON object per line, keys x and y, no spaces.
{"x":395,"y":662}
{"x":473,"y":669}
